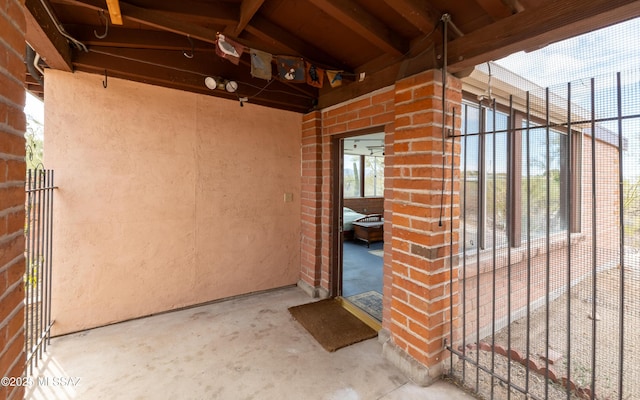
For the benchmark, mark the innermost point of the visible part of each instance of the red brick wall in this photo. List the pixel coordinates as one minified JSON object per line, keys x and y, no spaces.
{"x":479,"y":290}
{"x":12,"y":173}
{"x":318,"y":128}
{"x":416,"y":262}
{"x":311,"y":200}
{"x":420,"y":313}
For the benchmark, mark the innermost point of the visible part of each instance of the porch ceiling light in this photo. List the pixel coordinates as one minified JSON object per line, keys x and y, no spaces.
{"x":215,"y":82}
{"x":211,"y":82}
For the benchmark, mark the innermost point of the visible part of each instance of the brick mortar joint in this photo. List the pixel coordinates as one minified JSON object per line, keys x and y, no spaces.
{"x":4,"y":128}
{"x":20,"y":5}
{"x":9,"y":75}
{"x":10,"y":49}
{"x":6,"y":239}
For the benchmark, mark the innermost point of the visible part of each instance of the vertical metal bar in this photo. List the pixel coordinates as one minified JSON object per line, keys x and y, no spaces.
{"x":622,"y":264}
{"x":464,"y":247}
{"x":453,"y":153}
{"x":594,"y":241}
{"x":493,"y":252}
{"x":50,"y":257}
{"x":46,"y":282}
{"x":45,"y":269}
{"x":509,"y":216}
{"x":547,"y":242}
{"x":479,"y":230}
{"x":33,"y":263}
{"x":528,"y":352}
{"x":569,"y":211}
{"x":28,"y":262}
{"x":39,"y":263}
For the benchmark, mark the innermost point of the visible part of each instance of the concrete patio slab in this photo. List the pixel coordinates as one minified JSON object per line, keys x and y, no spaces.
{"x":244,"y":348}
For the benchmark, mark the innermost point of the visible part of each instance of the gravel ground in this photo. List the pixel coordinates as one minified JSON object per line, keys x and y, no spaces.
{"x":607,"y":344}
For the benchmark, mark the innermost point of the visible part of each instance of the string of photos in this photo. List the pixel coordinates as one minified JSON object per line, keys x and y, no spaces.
{"x":290,"y":69}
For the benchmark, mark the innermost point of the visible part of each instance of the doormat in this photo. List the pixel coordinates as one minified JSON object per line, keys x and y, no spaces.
{"x":370,"y":302}
{"x":331,"y":325}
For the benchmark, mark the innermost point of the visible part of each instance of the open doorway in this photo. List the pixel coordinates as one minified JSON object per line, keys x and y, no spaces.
{"x":362,"y":200}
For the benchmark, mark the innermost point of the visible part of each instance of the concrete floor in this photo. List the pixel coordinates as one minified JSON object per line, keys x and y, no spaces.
{"x":245,"y":348}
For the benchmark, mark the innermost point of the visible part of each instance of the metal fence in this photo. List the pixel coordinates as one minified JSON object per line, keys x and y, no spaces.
{"x":548,"y":264}
{"x":38,"y":251}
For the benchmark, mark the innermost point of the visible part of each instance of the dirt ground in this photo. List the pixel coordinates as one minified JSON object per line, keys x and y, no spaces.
{"x":576,"y":332}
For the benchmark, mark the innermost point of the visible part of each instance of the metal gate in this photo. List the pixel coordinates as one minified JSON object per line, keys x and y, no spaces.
{"x":38,"y":251}
{"x":548,"y":265}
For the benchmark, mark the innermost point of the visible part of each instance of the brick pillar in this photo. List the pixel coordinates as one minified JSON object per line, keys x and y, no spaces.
{"x":311,"y":204}
{"x":12,"y":175}
{"x":420,"y":311}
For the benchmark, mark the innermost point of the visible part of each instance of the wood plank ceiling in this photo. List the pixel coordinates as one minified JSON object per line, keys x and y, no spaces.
{"x":172,"y":43}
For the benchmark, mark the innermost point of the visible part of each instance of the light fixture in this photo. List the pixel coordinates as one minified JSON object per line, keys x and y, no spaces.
{"x":231,"y":86}
{"x":215,"y":82}
{"x":211,"y":82}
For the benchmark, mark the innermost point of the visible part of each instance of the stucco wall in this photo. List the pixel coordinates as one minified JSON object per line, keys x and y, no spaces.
{"x":166,"y":199}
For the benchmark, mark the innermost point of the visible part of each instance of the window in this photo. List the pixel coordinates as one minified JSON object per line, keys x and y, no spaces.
{"x":352,"y":173}
{"x":509,"y":163}
{"x":363,"y":176}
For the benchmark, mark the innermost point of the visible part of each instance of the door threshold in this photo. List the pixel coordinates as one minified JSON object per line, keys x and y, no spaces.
{"x":360,"y":314}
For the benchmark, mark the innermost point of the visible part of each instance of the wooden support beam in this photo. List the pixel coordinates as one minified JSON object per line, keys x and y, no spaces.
{"x":289,"y":43}
{"x":496,"y":9}
{"x":278,"y":95}
{"x":248,"y":8}
{"x":379,"y":75}
{"x":201,"y":13}
{"x":44,"y":37}
{"x":534,"y":28}
{"x":137,"y":39}
{"x":358,"y":19}
{"x":114,"y":12}
{"x":152,"y":18}
{"x":419,"y":13}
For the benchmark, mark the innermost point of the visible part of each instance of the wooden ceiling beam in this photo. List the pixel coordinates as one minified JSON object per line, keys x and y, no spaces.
{"x":363,"y":23}
{"x":114,"y":11}
{"x":44,"y":37}
{"x":154,"y":19}
{"x":496,"y":9}
{"x":514,"y":5}
{"x":419,"y":13}
{"x":210,"y":13}
{"x":288,"y":43}
{"x":383,"y":72}
{"x":278,"y":95}
{"x":534,"y":28}
{"x":137,"y":39}
{"x":248,"y":8}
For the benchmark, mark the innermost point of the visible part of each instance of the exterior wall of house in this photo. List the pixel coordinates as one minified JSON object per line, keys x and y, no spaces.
{"x":479,"y":286}
{"x":12,"y":176}
{"x":416,"y":274}
{"x":166,"y":199}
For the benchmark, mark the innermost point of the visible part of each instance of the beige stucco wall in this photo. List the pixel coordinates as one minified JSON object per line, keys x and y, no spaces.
{"x":166,"y":199}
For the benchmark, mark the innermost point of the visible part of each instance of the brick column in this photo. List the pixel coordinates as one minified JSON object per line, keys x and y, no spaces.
{"x":12,"y":175}
{"x":311,"y":204}
{"x":420,"y":311}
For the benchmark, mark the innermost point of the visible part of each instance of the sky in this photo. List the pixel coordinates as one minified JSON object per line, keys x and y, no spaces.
{"x":607,"y":50}
{"x":598,"y":54}
{"x":34,"y":107}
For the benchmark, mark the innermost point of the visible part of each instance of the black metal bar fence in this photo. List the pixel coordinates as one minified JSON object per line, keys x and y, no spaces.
{"x":548,"y":261}
{"x":38,"y":252}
